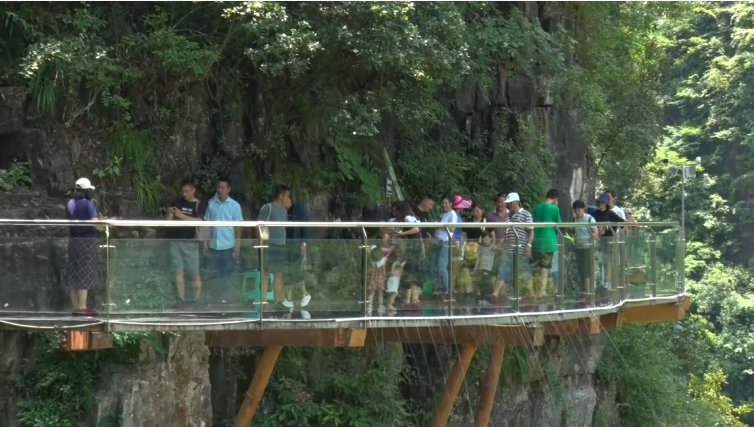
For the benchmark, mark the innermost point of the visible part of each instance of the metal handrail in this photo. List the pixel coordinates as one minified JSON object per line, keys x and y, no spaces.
{"x":319,"y":224}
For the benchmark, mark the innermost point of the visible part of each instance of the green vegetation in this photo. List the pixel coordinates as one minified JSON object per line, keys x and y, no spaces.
{"x":313,"y":93}
{"x":16,"y":176}
{"x":57,"y":388}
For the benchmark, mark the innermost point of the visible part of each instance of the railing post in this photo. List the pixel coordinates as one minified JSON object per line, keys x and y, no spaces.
{"x":681,"y":261}
{"x":615,"y":261}
{"x":262,"y":291}
{"x":451,"y":284}
{"x":364,"y":267}
{"x":624,"y":265}
{"x":108,"y":301}
{"x":516,"y":276}
{"x":560,"y":298}
{"x":653,"y":263}
{"x":590,"y":286}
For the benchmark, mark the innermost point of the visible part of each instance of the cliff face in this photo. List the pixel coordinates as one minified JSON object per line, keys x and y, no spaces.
{"x":187,"y":386}
{"x":182,"y":385}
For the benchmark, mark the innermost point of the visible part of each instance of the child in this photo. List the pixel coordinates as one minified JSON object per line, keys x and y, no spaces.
{"x":393,"y":282}
{"x":485,"y":259}
{"x":378,"y":271}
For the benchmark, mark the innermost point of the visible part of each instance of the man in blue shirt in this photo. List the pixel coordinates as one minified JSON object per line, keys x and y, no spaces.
{"x":224,"y":247}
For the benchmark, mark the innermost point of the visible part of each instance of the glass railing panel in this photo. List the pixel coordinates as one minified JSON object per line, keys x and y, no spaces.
{"x":143,"y":275}
{"x":323,"y":279}
{"x":607,"y":277}
{"x":316,"y":279}
{"x":339,"y":278}
{"x":420,"y":278}
{"x":637,"y":272}
{"x":667,"y":263}
{"x":42,"y":277}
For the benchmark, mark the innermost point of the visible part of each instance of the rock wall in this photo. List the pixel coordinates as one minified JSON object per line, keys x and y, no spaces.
{"x":164,"y":390}
{"x":185,"y":386}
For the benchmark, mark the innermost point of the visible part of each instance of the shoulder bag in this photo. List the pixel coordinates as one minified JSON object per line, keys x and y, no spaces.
{"x":264,"y":233}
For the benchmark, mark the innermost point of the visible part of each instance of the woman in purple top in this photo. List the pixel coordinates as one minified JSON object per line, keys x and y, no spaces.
{"x":500,"y":214}
{"x":82,"y":269}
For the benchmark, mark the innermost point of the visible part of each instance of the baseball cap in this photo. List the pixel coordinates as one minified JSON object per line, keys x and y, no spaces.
{"x":84,"y":184}
{"x":512,"y":197}
{"x":604,"y":198}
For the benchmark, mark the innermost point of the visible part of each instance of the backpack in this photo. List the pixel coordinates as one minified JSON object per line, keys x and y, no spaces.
{"x":591,"y":209}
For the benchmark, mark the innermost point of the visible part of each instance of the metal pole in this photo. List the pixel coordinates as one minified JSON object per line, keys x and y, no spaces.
{"x":451,"y":291}
{"x":516,"y":276}
{"x":560,"y":299}
{"x":591,"y":285}
{"x":681,"y":262}
{"x":653,"y":263}
{"x":262,"y":292}
{"x":623,"y":245}
{"x":683,"y":200}
{"x":365,"y":264}
{"x":615,"y":269}
{"x":108,"y":302}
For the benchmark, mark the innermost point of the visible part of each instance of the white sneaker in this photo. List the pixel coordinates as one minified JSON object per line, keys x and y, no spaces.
{"x":305,"y":314}
{"x":287,"y":303}
{"x":305,"y":300}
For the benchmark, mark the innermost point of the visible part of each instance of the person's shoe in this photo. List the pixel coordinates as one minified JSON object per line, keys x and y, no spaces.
{"x":180,"y":304}
{"x":381,"y":310}
{"x":305,"y":300}
{"x":305,"y":315}
{"x":287,"y":304}
{"x":77,"y":312}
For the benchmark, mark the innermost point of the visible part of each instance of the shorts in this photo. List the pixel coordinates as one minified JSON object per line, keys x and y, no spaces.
{"x":542,"y":260}
{"x":507,"y":267}
{"x":276,"y":259}
{"x":584,"y":265}
{"x":185,"y":257}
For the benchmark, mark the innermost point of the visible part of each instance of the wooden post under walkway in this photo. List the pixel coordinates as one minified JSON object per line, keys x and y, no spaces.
{"x":258,"y":383}
{"x":489,"y":386}
{"x":452,"y":386}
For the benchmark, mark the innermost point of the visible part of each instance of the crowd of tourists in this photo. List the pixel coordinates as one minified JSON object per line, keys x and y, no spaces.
{"x":480,"y":263}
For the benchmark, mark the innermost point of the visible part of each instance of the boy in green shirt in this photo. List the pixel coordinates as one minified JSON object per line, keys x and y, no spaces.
{"x":545,"y":242}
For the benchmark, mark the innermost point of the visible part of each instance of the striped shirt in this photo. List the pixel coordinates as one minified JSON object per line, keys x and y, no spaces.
{"x":522,"y":216}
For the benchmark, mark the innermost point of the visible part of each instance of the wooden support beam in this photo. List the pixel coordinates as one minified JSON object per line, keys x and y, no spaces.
{"x":452,"y":386}
{"x":471,"y":335}
{"x":612,"y":320}
{"x":287,"y":337}
{"x":670,"y":312}
{"x":489,"y":386}
{"x":100,"y":340}
{"x":584,"y":326}
{"x":85,"y":341}
{"x":256,"y":388}
{"x":76,"y":341}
